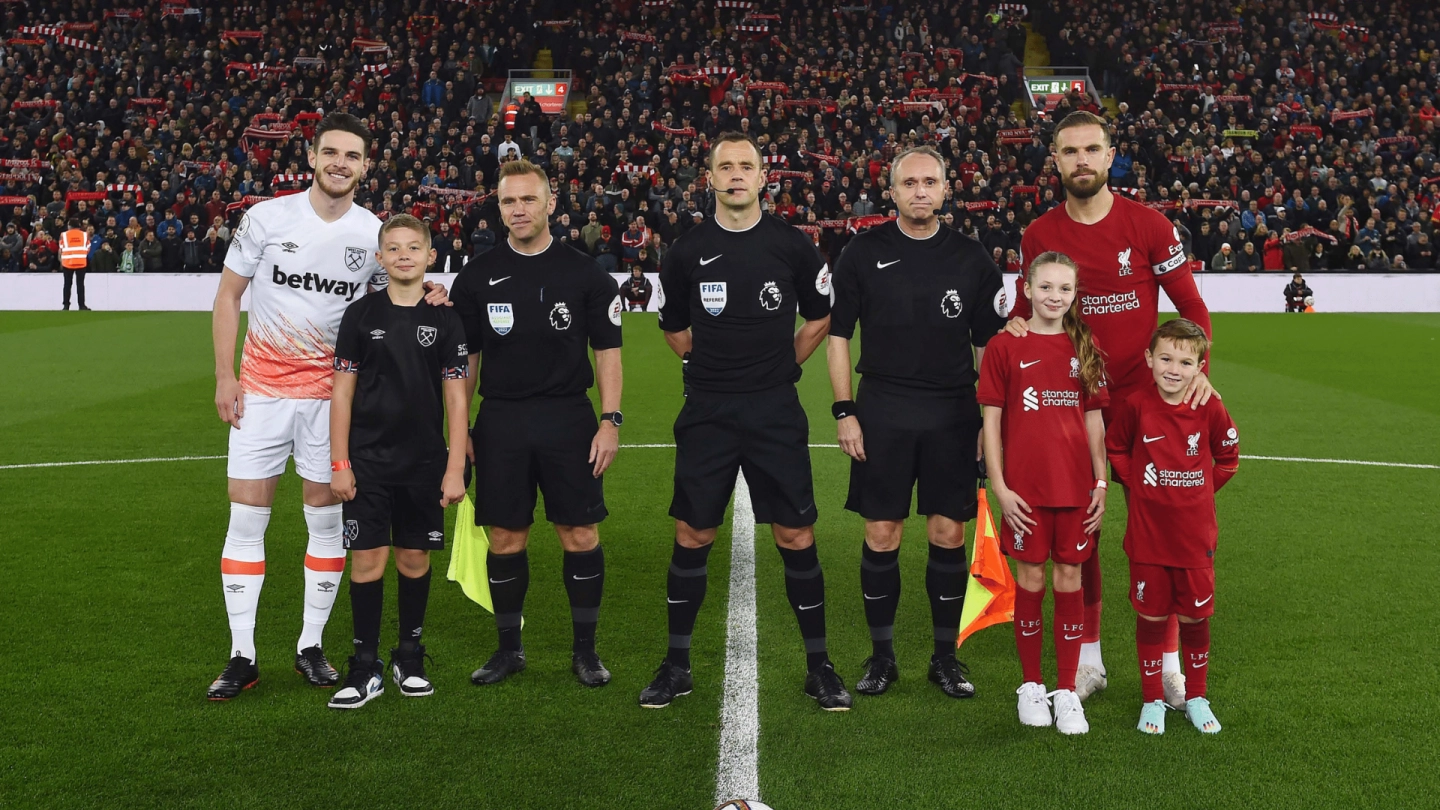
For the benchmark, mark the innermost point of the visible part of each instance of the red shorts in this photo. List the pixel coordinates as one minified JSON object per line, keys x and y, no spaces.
{"x":1058,"y":534}
{"x":1158,"y":590}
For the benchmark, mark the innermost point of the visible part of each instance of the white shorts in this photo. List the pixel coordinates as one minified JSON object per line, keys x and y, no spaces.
{"x":272,"y":430}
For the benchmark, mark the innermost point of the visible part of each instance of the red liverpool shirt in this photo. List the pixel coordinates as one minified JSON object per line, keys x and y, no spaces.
{"x":1173,"y":459}
{"x":1124,"y":260}
{"x":1036,"y":381}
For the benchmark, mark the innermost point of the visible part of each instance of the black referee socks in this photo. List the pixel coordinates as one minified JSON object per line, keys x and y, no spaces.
{"x":945,"y":583}
{"x":584,"y":573}
{"x":684,"y":593}
{"x":509,"y":579}
{"x":880,"y":585}
{"x":805,"y":586}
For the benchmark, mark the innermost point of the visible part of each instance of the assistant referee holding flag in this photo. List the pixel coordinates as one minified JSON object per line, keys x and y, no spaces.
{"x":929,"y":299}
{"x":529,"y":306}
{"x":733,"y":285}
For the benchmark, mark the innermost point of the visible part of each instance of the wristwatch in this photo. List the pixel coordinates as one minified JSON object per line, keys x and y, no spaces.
{"x":613,"y":417}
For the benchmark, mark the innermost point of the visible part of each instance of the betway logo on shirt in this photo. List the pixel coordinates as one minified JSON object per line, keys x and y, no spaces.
{"x":1109,"y":304}
{"x":1033,"y":400}
{"x":1173,"y":478}
{"x":313,"y":281}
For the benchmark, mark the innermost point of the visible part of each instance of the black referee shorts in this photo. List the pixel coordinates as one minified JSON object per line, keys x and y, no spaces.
{"x":765,"y":434}
{"x":383,"y":515}
{"x":524,"y":444}
{"x":914,"y":437}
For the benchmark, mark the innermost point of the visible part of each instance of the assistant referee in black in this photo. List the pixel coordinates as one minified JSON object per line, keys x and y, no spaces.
{"x":733,"y":285}
{"x":529,"y":307}
{"x":929,"y":300}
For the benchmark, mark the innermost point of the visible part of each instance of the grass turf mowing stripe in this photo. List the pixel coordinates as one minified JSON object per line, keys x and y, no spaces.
{"x":738,"y":773}
{"x":671,"y":446}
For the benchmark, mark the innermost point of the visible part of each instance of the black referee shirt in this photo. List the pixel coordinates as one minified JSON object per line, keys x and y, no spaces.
{"x":398,"y":418}
{"x":923,"y":304}
{"x":738,"y":292}
{"x":529,"y":317}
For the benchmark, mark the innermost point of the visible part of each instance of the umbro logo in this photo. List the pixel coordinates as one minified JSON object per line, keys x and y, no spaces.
{"x":326,"y":586}
{"x":237,"y":588}
{"x":377,"y":334}
{"x":290,"y":247}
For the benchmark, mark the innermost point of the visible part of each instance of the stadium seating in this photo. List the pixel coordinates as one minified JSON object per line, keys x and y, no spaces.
{"x":1309,"y":134}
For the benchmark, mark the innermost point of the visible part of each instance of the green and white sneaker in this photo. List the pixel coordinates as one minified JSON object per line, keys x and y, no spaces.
{"x":1152,"y":718}
{"x":1198,"y":710}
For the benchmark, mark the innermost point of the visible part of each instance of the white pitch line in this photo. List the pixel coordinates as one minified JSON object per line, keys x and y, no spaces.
{"x":1345,"y":461}
{"x":738,"y":774}
{"x":105,"y":461}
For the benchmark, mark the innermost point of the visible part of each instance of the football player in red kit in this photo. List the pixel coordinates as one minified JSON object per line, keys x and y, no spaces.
{"x":1174,"y":459}
{"x":1045,"y":451}
{"x":1127,"y":253}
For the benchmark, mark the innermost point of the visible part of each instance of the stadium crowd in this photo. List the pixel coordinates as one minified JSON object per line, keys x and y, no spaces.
{"x":1279,"y":138}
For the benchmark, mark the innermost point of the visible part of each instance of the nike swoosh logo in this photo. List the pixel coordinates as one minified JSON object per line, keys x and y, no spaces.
{"x":501,"y":581}
{"x":951,"y":598}
{"x":1071,"y":638}
{"x":883,"y":265}
{"x":1029,"y":632}
{"x":495,"y":281}
{"x":1202,"y":602}
{"x":1082,"y":546}
{"x":807,"y":509}
{"x":1024,"y":364}
{"x":676,"y":601}
{"x":810,"y":607}
{"x":1198,"y":666}
{"x":1148,"y":440}
{"x":704,"y":262}
{"x":1149,"y":673}
{"x":873,"y":598}
{"x":582,"y":579}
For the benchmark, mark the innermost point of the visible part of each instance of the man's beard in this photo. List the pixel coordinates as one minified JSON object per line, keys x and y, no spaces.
{"x":1083,"y":187}
{"x":321,"y":180}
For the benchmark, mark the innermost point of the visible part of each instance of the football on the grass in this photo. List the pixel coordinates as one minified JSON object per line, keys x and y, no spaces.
{"x":743,"y":804}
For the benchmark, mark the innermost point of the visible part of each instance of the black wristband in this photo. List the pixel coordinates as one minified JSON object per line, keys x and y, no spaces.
{"x":842,"y":409}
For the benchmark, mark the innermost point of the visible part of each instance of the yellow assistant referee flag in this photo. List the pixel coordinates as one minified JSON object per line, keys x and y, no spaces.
{"x":467,"y":556}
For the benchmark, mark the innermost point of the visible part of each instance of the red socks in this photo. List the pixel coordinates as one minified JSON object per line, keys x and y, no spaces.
{"x":1069,"y":630}
{"x":1028,"y":625}
{"x":1149,"y":643}
{"x":1090,"y":586}
{"x":1195,"y":639}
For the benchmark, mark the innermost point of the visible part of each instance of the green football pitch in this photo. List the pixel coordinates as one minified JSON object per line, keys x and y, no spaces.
{"x":1324,"y":664}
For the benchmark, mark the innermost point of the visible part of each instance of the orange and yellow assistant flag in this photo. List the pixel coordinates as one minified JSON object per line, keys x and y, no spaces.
{"x":990,"y":594}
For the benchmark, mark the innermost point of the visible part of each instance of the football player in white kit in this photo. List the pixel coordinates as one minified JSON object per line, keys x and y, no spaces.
{"x":304,"y":258}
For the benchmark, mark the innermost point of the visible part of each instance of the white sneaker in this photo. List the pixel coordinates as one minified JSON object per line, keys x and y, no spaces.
{"x":1034,"y":705}
{"x":1069,"y":714}
{"x":364,"y":681}
{"x":1089,"y":680}
{"x":1174,"y":690}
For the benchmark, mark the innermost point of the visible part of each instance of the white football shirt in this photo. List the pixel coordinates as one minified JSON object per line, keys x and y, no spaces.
{"x":303,"y":273}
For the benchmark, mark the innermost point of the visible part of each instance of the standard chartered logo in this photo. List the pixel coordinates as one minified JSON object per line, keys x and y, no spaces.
{"x":1152,"y":478}
{"x":1032,"y":399}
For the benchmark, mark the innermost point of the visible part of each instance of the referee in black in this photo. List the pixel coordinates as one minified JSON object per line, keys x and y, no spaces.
{"x":529,"y":307}
{"x":733,"y":285}
{"x":929,"y":299}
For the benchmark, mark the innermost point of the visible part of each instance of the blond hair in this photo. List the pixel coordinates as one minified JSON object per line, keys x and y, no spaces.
{"x":515,"y":168}
{"x":1182,"y":332}
{"x":405,"y":221}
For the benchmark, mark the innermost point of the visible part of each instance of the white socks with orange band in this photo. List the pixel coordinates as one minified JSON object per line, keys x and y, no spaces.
{"x":324,"y":565}
{"x":242,"y":572}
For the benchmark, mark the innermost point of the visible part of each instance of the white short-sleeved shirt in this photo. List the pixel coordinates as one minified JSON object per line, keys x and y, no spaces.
{"x":303,"y":273}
